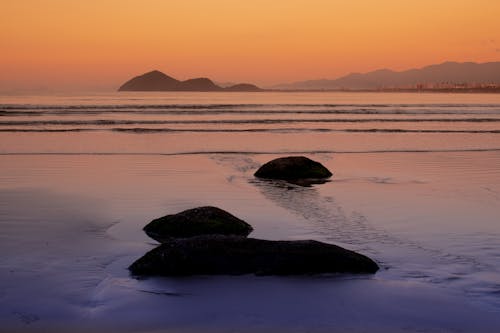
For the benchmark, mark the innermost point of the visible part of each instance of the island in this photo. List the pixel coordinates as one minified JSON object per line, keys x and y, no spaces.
{"x":158,"y":81}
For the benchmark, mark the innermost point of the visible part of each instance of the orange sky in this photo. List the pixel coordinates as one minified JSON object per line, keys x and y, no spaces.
{"x":100,"y":43}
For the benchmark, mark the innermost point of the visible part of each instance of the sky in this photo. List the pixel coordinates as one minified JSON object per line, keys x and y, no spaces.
{"x":99,"y":44}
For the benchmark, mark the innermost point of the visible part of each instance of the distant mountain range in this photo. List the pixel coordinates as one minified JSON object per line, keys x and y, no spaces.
{"x":448,"y":72}
{"x":158,"y":81}
{"x":446,"y":76}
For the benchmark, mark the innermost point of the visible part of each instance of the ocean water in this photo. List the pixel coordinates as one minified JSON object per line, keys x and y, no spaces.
{"x":416,"y":186}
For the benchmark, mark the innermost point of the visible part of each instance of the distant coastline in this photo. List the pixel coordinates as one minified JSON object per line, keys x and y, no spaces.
{"x":495,"y":90}
{"x":444,"y":77}
{"x":448,"y":77}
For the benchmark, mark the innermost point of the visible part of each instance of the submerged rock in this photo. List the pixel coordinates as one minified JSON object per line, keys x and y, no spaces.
{"x":297,"y":169}
{"x":233,"y":255}
{"x":195,"y":222}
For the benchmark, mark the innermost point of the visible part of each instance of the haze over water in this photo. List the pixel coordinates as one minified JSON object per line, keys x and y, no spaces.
{"x":416,"y":186}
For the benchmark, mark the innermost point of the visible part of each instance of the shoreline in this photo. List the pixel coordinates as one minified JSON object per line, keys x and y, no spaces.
{"x":425,"y":283}
{"x":73,"y":205}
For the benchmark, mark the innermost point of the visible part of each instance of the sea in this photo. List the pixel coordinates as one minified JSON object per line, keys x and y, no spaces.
{"x":415,"y":186}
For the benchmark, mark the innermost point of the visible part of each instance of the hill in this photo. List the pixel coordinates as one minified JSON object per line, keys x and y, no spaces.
{"x":451,"y":73}
{"x":158,"y":81}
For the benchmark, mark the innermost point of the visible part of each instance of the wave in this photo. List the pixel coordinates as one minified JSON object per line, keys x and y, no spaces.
{"x":294,"y":130}
{"x":274,"y":152}
{"x":233,"y":106}
{"x":89,"y":112}
{"x":140,"y":130}
{"x":104,"y":122}
{"x":219,"y":108}
{"x":251,"y":109}
{"x":123,"y":106}
{"x":49,"y":130}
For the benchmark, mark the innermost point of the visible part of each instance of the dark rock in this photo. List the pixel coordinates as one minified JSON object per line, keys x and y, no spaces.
{"x":233,"y":255}
{"x":294,"y":168}
{"x":196,"y":222}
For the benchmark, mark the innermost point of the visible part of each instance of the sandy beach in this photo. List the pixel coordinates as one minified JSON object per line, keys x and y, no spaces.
{"x":72,"y":210}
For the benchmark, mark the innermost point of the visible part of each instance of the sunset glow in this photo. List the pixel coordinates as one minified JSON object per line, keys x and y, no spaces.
{"x":99,"y":44}
{"x":249,"y":166}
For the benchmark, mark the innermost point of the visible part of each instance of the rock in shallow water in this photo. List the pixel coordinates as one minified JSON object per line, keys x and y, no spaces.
{"x":293,"y":168}
{"x":233,"y":255}
{"x":195,"y":222}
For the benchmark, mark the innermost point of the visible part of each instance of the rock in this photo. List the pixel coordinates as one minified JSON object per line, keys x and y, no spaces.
{"x":233,"y":255}
{"x":196,"y":222}
{"x":295,"y":169}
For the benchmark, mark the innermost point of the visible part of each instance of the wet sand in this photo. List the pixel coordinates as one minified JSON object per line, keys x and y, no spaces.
{"x":71,"y":225}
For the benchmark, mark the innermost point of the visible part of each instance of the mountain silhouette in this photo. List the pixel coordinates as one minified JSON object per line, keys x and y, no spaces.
{"x":243,"y":87}
{"x":152,"y":81}
{"x":448,"y":72}
{"x":158,"y":81}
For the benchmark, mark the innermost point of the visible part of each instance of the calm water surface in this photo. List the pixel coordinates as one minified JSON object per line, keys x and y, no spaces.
{"x":416,"y":186}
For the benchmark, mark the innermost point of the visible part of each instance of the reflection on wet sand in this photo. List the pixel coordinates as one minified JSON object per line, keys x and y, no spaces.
{"x":329,"y":220}
{"x":56,"y":250}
